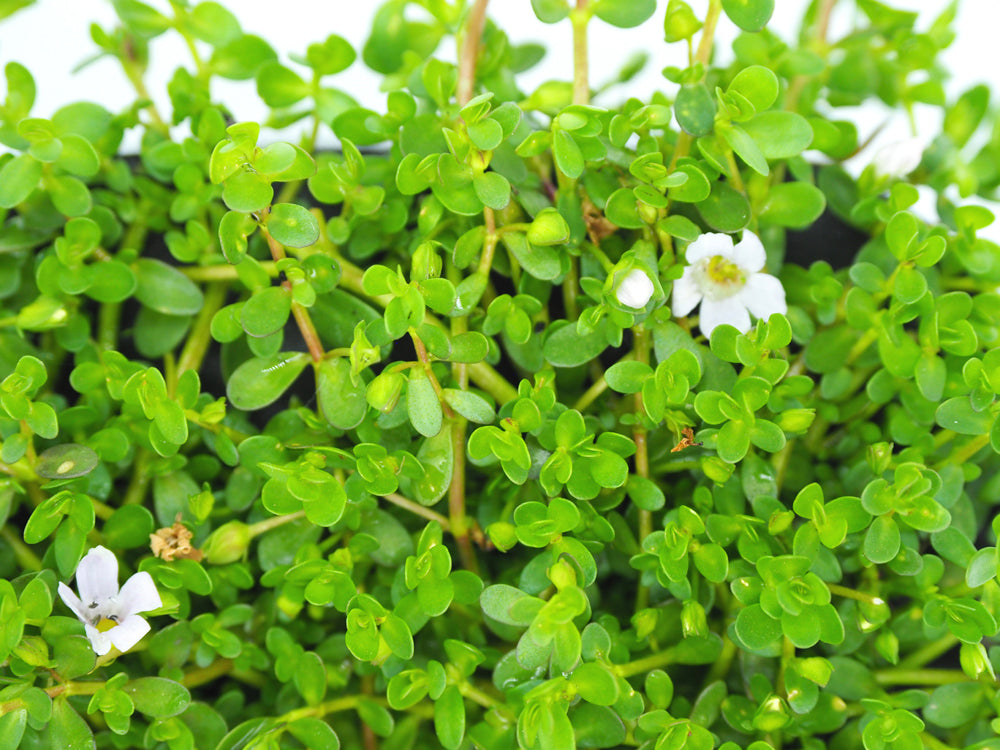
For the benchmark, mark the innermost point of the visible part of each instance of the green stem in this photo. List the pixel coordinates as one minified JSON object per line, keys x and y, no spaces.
{"x":897,"y":676}
{"x":964,"y":452}
{"x":300,"y":313}
{"x":469,"y":52}
{"x":580,"y":17}
{"x":929,"y":653}
{"x":600,"y":386}
{"x":225,"y":272}
{"x":261,"y":527}
{"x":418,"y":509}
{"x":640,"y":348}
{"x":141,"y":477}
{"x":645,"y":664}
{"x":200,"y":338}
{"x":134,"y":75}
{"x":26,"y":558}
{"x":859,"y":596}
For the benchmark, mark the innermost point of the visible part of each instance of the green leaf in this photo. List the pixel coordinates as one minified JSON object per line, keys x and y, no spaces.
{"x":279,"y":86}
{"x":550,"y":11}
{"x":234,"y":228}
{"x":595,"y":684}
{"x":247,"y":192}
{"x":261,"y":380}
{"x":745,"y":148}
{"x":128,"y":527}
{"x":625,"y":14}
{"x":957,"y":414}
{"x":78,"y":157}
{"x":749,"y":15}
{"x":449,"y":718}
{"x":565,"y":347}
{"x":793,"y":204}
{"x":212,"y":23}
{"x":757,"y":84}
{"x":470,"y":405}
{"x":314,"y":733}
{"x":622,"y":210}
{"x":142,"y":19}
{"x":341,"y":401}
{"x":628,"y":376}
{"x":951,"y":706}
{"x":492,"y":189}
{"x":165,"y":288}
{"x":541,"y":262}
{"x":726,"y":209}
{"x":882,"y":541}
{"x":292,"y":225}
{"x":66,"y":461}
{"x":67,"y":729}
{"x":779,"y":134}
{"x":982,"y":567}
{"x":266,"y":311}
{"x":756,"y":628}
{"x":695,"y":109}
{"x":509,"y":605}
{"x":568,"y":156}
{"x":486,"y":134}
{"x":158,"y":697}
{"x":422,"y":404}
{"x":69,"y":195}
{"x":12,"y":726}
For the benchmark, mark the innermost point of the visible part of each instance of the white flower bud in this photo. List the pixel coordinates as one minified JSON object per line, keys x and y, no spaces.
{"x":635,"y":289}
{"x":899,"y":158}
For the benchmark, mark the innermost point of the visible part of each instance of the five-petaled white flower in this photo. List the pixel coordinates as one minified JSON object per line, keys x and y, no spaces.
{"x":635,"y":290}
{"x":726,"y":280}
{"x":899,"y":158}
{"x":109,"y":615}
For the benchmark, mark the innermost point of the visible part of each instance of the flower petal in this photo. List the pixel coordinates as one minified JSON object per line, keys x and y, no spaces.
{"x":100,"y":642}
{"x":685,"y":294}
{"x":749,"y":252}
{"x":707,"y":245}
{"x":635,"y":290}
{"x":715,"y":312}
{"x":139,"y":594}
{"x":763,"y":296}
{"x":128,"y":633}
{"x":73,"y":601}
{"x":97,"y":576}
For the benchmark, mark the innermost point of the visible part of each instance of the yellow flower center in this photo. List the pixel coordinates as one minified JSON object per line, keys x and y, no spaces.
{"x":723,"y":271}
{"x":105,"y":624}
{"x":719,"y":278}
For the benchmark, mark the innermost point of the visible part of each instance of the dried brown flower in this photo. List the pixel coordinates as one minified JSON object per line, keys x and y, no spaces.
{"x":174,"y":543}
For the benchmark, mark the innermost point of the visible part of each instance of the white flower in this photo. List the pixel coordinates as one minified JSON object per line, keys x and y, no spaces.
{"x":727,"y":281}
{"x":635,"y":289}
{"x":109,"y":615}
{"x":899,"y":158}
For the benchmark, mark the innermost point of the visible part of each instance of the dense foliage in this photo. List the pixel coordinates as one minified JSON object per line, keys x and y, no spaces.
{"x":423,"y":442}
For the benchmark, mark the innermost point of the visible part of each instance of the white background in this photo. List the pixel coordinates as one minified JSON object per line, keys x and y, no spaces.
{"x":52,"y":37}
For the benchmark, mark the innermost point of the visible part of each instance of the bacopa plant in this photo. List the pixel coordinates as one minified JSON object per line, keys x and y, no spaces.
{"x":504,"y":424}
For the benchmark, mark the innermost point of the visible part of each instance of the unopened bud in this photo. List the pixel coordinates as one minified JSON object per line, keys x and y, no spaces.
{"x":693,"y":620}
{"x":899,"y":158}
{"x":228,"y":543}
{"x":635,"y":290}
{"x":383,"y":392}
{"x":975,"y":662}
{"x":795,"y":420}
{"x":502,"y":534}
